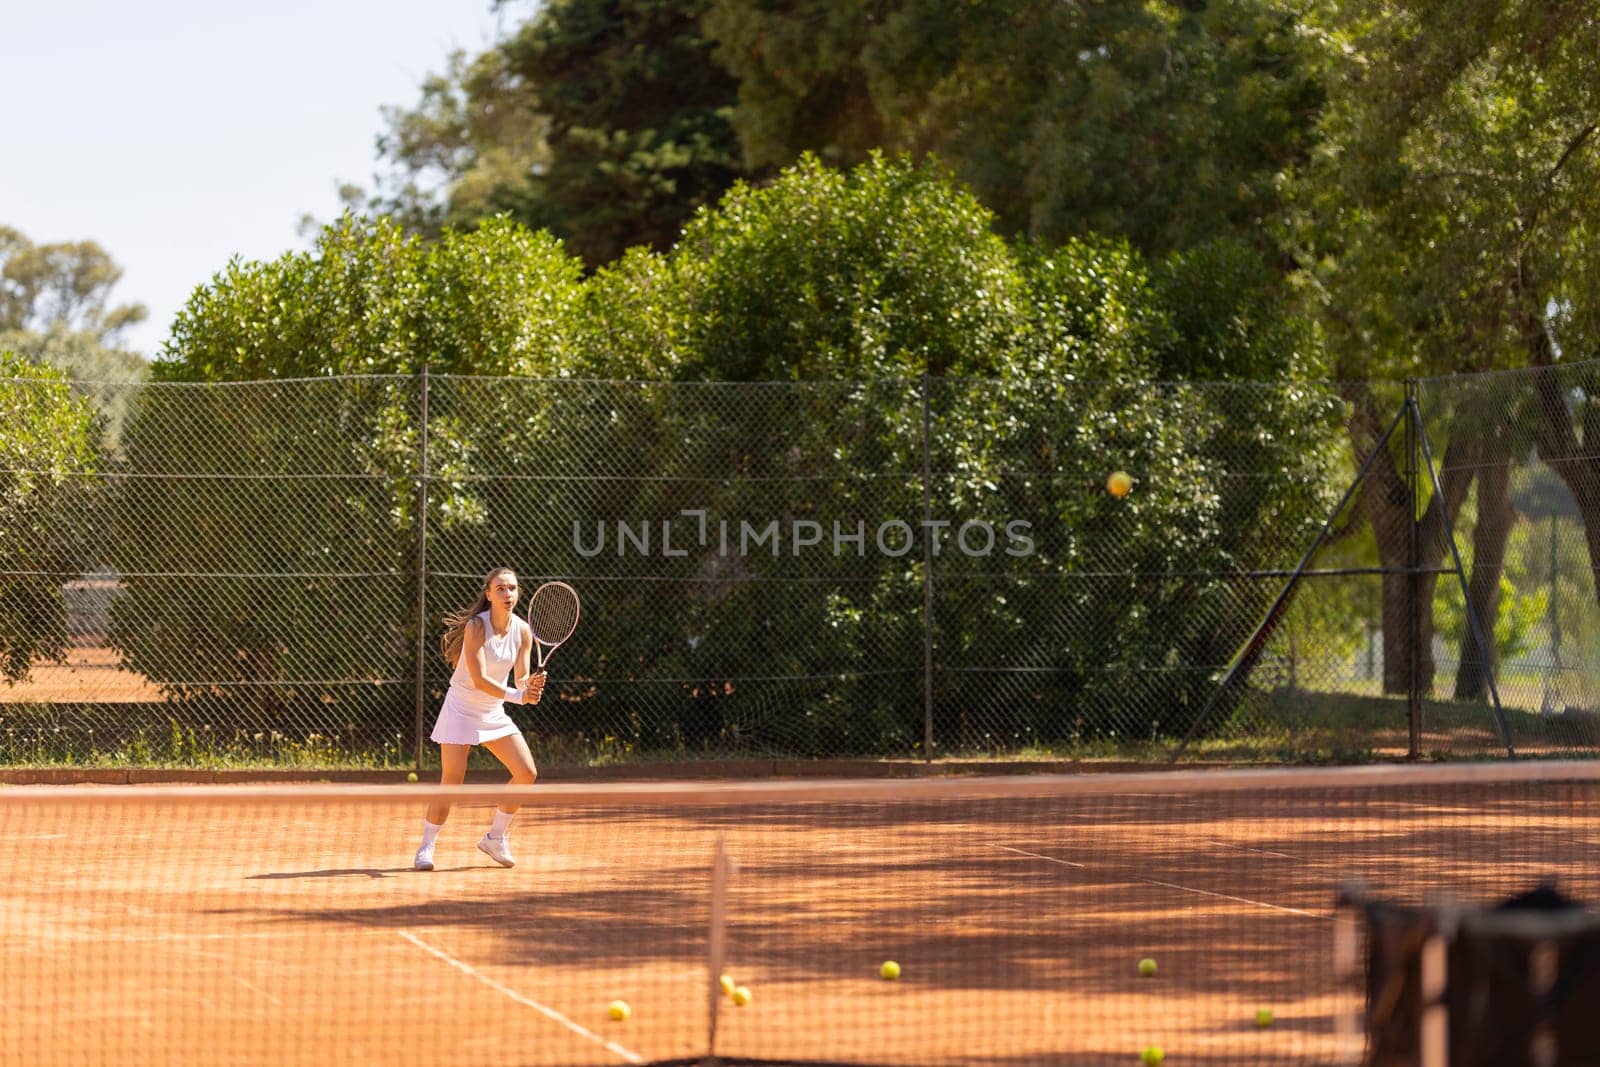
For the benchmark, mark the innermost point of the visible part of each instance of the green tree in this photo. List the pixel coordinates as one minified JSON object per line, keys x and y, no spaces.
{"x":49,"y":455}
{"x":851,"y":284}
{"x":1167,"y":123}
{"x":102,"y":372}
{"x":1131,"y":602}
{"x":884,"y":269}
{"x":64,"y":285}
{"x":1445,"y":224}
{"x":370,"y":298}
{"x":474,"y":146}
{"x":607,"y":123}
{"x":77,"y":353}
{"x":54,"y":312}
{"x":639,"y":119}
{"x":846,"y":286}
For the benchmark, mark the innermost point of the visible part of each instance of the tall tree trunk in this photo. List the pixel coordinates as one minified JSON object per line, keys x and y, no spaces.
{"x":1557,"y":440}
{"x":1489,"y":539}
{"x":1387,"y":499}
{"x":1397,"y":647}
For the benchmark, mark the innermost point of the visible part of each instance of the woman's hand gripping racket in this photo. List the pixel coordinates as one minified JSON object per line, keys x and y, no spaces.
{"x":552,"y":616}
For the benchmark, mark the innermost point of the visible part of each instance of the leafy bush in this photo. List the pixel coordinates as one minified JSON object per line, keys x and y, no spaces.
{"x":50,"y":453}
{"x":778,"y":357}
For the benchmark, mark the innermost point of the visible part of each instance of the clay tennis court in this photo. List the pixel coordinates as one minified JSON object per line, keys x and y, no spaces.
{"x":285,"y":925}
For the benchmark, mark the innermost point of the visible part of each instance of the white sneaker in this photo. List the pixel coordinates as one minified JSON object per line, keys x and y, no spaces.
{"x":496,"y":849}
{"x":424,"y":860}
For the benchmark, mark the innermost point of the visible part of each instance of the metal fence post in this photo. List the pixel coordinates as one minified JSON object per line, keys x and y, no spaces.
{"x":422,"y":559}
{"x":1413,"y":583}
{"x":927,"y":580}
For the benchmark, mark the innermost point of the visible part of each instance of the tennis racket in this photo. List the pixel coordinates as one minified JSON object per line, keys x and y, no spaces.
{"x":552,"y":616}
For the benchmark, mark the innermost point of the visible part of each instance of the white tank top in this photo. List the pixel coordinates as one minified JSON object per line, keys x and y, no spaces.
{"x":499,"y":656}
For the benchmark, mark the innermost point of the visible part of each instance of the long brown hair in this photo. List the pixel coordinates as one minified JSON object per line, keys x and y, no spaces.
{"x":455,"y":622}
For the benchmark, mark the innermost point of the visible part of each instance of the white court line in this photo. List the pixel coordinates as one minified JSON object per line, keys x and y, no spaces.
{"x":223,"y":956}
{"x":1241,"y":900}
{"x":547,"y":1012}
{"x":1246,"y":848}
{"x":258,"y":989}
{"x":1037,"y":856}
{"x":1173,"y":885}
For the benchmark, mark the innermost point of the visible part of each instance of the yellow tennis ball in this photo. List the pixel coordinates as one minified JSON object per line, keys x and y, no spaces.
{"x":890,"y":970}
{"x":411,"y":777}
{"x":1264,"y":1018}
{"x":1147,"y":967}
{"x":726,"y":984}
{"x":619,"y":1010}
{"x":741,"y":996}
{"x":1119,"y":484}
{"x":1152,"y":1056}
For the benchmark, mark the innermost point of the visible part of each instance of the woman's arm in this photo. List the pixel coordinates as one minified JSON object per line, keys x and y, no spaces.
{"x":472,"y":652}
{"x":532,"y":685}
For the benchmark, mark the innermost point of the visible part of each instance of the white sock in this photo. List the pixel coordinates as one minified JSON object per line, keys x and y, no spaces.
{"x":430,"y":830}
{"x":502,"y":823}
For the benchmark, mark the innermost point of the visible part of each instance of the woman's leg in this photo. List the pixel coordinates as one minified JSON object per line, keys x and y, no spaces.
{"x":453,"y":772}
{"x":512,"y":751}
{"x":454,"y":761}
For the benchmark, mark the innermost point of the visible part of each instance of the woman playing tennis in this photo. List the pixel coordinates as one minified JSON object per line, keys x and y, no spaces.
{"x":484,"y":642}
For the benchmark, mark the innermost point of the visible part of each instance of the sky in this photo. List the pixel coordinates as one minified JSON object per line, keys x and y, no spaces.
{"x":180,"y":133}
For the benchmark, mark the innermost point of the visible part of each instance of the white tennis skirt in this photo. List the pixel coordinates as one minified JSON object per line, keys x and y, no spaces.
{"x":462,"y":722}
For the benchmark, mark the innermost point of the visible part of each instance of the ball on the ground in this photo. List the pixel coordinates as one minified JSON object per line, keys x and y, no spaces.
{"x":1152,"y":1055}
{"x":890,"y":970}
{"x":1264,"y":1018}
{"x":1147,"y":967}
{"x":725,"y":983}
{"x":1119,"y":484}
{"x":741,"y":996}
{"x":619,"y":1010}
{"x":411,"y":777}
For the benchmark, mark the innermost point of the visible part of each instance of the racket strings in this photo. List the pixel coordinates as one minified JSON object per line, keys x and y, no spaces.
{"x":553,"y":612}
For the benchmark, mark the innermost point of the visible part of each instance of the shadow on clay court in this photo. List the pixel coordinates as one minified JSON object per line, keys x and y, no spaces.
{"x":1028,"y":900}
{"x":1034,"y":934}
{"x":362,"y":872}
{"x":1233,"y":899}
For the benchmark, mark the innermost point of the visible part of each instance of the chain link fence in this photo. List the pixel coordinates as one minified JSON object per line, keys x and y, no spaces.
{"x":914,"y":568}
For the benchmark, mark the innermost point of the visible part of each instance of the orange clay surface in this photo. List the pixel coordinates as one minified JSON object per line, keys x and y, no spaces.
{"x":88,"y":672}
{"x":232,"y":934}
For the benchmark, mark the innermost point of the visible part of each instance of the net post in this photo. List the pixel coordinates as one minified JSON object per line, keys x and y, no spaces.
{"x":927,"y":578}
{"x":1347,"y":974}
{"x":1434,"y":1025}
{"x":1544,"y":969}
{"x":717,"y":941}
{"x":1413,"y":582}
{"x":422,"y":563}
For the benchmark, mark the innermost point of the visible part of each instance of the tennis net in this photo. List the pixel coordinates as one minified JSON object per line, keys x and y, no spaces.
{"x":285,"y":924}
